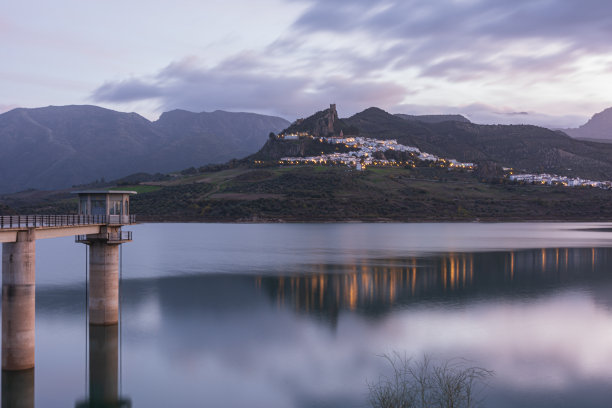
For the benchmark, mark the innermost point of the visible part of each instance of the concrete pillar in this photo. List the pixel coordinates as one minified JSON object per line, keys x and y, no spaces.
{"x":18,"y":389}
{"x":18,"y":302}
{"x":103,"y":283}
{"x":103,"y":365}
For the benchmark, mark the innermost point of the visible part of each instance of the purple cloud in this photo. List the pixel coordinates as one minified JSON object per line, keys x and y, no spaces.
{"x":427,"y":32}
{"x":126,"y":91}
{"x":243,"y":84}
{"x":360,"y":53}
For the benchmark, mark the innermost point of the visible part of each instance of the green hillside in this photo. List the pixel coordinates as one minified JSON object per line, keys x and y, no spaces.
{"x":322,"y":194}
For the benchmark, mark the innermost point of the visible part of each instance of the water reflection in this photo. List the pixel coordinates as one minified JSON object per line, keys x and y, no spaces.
{"x":18,"y":389}
{"x":539,"y":317}
{"x":374,"y":286}
{"x":104,"y":369}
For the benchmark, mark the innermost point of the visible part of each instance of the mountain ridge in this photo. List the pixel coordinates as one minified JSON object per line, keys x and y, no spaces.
{"x":59,"y":146}
{"x":524,"y":147}
{"x":259,"y":189}
{"x":434,"y":118}
{"x":527,"y":148}
{"x":598,"y":127}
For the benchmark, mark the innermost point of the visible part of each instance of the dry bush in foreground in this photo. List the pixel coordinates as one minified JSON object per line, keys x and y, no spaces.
{"x":426,"y":384}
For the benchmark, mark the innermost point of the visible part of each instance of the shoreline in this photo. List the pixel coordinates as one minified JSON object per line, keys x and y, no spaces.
{"x":381,"y":221}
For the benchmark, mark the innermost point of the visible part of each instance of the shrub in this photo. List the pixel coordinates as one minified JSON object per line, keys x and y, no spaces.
{"x":425,"y":384}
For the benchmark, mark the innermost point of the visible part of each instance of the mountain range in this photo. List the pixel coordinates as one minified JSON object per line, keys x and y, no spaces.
{"x":256,"y":188}
{"x":434,"y":118}
{"x":526,"y":148}
{"x":598,"y":128}
{"x":523,"y":147}
{"x":60,"y":146}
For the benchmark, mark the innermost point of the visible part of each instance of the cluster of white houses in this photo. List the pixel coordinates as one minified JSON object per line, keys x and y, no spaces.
{"x":551,"y":179}
{"x":294,"y":136}
{"x":364,"y":155}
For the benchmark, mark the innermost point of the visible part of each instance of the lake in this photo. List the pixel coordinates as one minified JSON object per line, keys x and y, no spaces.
{"x":298,"y":315}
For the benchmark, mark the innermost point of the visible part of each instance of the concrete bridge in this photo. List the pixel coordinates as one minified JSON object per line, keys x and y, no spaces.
{"x":102,"y":214}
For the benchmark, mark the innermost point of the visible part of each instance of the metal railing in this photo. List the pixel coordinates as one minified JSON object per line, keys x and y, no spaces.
{"x":121,"y":236}
{"x":121,"y":219}
{"x":36,"y":221}
{"x":109,"y":236}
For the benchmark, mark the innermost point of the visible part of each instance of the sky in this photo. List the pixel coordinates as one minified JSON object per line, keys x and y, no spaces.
{"x":544,"y":62}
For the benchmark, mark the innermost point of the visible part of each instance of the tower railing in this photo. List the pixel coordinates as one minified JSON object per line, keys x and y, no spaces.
{"x":110,"y":237}
{"x":37,"y":221}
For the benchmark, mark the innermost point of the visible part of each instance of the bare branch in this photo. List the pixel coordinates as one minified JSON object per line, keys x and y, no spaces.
{"x":425,"y":384}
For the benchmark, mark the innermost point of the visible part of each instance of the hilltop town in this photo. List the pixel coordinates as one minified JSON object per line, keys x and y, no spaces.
{"x":324,"y":131}
{"x":324,"y":139}
{"x":368,"y":152}
{"x":555,"y":180}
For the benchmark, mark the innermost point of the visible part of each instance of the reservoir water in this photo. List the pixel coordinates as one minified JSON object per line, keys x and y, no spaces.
{"x":298,"y":315}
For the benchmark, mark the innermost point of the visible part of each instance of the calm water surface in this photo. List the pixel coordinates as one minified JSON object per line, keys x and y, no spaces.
{"x":297,"y":315}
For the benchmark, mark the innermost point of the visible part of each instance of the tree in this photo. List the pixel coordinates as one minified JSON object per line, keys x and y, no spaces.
{"x":190,"y":171}
{"x":378,"y":155}
{"x":425,"y":384}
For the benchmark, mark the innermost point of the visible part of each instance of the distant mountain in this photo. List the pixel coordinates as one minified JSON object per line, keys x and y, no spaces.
{"x":524,"y":147}
{"x":194,"y":139}
{"x":599,"y":127}
{"x":59,"y":146}
{"x":434,"y":118}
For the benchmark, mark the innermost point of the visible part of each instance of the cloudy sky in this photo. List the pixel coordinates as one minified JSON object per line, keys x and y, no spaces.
{"x":545,"y":62}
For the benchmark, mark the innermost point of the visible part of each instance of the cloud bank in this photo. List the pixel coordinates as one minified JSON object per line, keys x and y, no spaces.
{"x":234,"y":85}
{"x":481,"y":58}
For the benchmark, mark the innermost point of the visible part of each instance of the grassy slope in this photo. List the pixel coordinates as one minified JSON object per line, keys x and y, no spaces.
{"x":316,"y":193}
{"x":339,"y":194}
